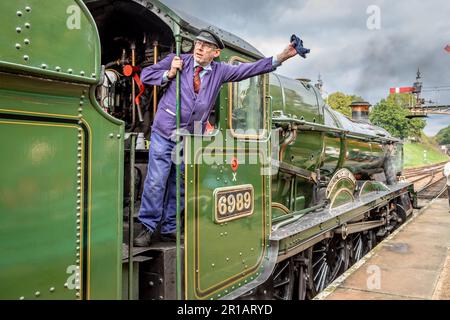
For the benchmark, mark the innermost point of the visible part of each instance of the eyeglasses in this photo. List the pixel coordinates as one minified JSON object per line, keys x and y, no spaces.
{"x":200,"y":43}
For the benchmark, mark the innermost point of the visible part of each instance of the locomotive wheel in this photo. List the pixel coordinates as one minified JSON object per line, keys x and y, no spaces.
{"x":283,"y":280}
{"x":360,"y":244}
{"x":301,"y":271}
{"x":328,"y":259}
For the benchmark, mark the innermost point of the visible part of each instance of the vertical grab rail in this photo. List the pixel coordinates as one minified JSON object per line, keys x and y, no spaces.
{"x":177,"y":153}
{"x":131,"y":216}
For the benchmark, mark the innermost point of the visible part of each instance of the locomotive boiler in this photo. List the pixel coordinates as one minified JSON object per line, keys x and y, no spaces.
{"x":282,"y":193}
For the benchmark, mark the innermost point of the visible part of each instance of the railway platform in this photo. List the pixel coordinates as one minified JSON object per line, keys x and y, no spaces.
{"x":412,"y":263}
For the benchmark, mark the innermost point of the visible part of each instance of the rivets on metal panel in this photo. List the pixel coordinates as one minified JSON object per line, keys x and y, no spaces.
{"x":27,"y":8}
{"x":52,"y":289}
{"x":26,"y":58}
{"x":80,"y":122}
{"x":18,"y":46}
{"x":251,"y":249}
{"x":78,"y":241}
{"x":111,"y":135}
{"x":78,"y":254}
{"x":78,"y":201}
{"x":93,"y":75}
{"x":78,"y":234}
{"x":70,"y":71}
{"x":78,"y":248}
{"x":22,"y":298}
{"x":43,"y":66}
{"x":81,"y":103}
{"x":221,"y":234}
{"x":66,"y":285}
{"x":77,"y":261}
{"x":228,"y":259}
{"x":82,"y":73}
{"x":19,"y":13}
{"x":213,"y":265}
{"x":27,"y":25}
{"x":78,"y":221}
{"x":18,"y":29}
{"x":27,"y":41}
{"x":118,"y":136}
{"x":58,"y":69}
{"x":240,"y":253}
{"x":78,"y":174}
{"x":225,"y":233}
{"x":37,"y":294}
{"x":77,"y":294}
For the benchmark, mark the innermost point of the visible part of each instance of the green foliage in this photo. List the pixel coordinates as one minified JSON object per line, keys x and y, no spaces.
{"x":443,"y":136}
{"x":415,"y":156}
{"x":391,"y":113}
{"x":341,"y":102}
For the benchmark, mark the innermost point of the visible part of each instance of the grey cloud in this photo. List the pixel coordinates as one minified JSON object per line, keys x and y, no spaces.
{"x":350,"y":58}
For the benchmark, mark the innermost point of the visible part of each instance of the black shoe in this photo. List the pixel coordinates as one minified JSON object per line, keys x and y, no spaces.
{"x":143,"y":239}
{"x":170,"y":237}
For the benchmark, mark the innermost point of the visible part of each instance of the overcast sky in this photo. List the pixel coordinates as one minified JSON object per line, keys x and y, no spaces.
{"x":350,"y":56}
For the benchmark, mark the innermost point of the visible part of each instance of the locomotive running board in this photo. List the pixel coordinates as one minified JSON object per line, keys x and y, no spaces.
{"x":315,"y":226}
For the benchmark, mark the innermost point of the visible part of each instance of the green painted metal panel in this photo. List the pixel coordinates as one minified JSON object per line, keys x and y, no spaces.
{"x":38,"y":205}
{"x":90,"y":171}
{"x":305,"y":151}
{"x":53,"y":38}
{"x":221,"y":256}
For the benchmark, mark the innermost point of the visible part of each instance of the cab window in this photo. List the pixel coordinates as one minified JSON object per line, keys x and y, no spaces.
{"x":247,"y":105}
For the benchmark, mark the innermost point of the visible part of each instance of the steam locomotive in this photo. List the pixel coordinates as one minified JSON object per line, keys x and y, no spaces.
{"x":296,"y":193}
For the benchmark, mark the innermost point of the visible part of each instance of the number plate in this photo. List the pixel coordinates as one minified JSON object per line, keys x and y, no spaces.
{"x":233,"y":202}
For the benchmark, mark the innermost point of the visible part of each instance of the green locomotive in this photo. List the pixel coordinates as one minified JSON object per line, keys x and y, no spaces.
{"x":282,"y":194}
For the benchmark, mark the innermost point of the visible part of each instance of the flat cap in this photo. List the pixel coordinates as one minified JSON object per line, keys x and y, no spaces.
{"x":209,"y":36}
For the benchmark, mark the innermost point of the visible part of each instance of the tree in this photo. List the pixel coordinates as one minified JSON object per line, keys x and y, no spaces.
{"x":341,"y":102}
{"x":390,"y":114}
{"x":443,"y":136}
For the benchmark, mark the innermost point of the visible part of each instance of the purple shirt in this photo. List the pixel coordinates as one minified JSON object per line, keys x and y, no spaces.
{"x":195,"y":107}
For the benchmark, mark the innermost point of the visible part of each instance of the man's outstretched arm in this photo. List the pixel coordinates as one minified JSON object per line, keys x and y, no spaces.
{"x":247,"y":70}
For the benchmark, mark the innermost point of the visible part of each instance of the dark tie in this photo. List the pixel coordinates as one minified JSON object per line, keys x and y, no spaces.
{"x":197,"y":81}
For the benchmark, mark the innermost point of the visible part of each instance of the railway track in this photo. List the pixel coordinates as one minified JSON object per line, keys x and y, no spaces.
{"x":437,"y":188}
